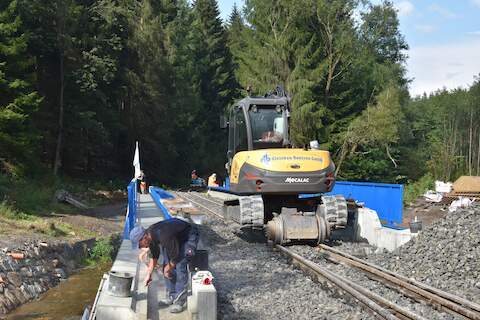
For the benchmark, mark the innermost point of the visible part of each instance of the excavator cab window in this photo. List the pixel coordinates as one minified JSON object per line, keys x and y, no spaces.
{"x":240,"y":131}
{"x":268,"y":126}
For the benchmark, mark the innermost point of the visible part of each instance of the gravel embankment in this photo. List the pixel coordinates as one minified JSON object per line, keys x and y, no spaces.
{"x":253,"y":282}
{"x":445,"y":255}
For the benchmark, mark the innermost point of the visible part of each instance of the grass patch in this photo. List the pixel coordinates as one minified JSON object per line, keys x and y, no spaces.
{"x":413,"y":190}
{"x":36,"y":196}
{"x":9,"y":212}
{"x":102,"y":252}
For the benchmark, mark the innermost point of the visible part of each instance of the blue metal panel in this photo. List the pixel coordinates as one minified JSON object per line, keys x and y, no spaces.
{"x":221,"y":189}
{"x":132,"y":209}
{"x":158,"y":194}
{"x":386,"y":199}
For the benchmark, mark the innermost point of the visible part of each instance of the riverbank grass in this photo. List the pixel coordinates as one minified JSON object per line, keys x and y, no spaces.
{"x":13,"y":221}
{"x":102,"y":252}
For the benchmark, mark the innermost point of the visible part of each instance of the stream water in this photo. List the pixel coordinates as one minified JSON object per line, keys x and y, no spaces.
{"x":65,"y":301}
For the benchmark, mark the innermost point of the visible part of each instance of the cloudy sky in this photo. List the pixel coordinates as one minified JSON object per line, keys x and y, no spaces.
{"x":444,"y":40}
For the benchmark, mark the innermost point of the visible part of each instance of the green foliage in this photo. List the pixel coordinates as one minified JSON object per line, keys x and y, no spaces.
{"x":371,"y":139}
{"x":8,"y":211}
{"x":33,"y":198}
{"x":214,"y":80}
{"x":381,"y":33}
{"x":81,"y":81}
{"x":445,"y":132}
{"x":18,"y":100}
{"x":415,"y":189}
{"x":102,"y":252}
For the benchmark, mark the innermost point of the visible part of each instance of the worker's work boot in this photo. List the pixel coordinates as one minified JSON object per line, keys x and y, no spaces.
{"x":165,"y":302}
{"x":176,"y":308}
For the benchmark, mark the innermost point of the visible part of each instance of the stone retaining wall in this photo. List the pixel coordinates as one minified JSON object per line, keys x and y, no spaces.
{"x":28,"y":271}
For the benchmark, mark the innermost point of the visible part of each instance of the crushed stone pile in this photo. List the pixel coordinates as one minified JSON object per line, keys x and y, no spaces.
{"x":445,"y":255}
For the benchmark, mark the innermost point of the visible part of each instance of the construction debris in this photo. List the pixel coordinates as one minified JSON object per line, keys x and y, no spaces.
{"x":460,"y":203}
{"x":443,"y":187}
{"x":466,"y":186}
{"x":64,"y":196}
{"x":177,"y":206}
{"x":432,"y":196}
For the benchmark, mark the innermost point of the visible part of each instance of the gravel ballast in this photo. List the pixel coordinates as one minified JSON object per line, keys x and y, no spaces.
{"x":445,"y":255}
{"x":253,"y":282}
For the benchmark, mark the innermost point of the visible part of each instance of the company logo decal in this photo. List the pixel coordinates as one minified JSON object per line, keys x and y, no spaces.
{"x":297,"y":180}
{"x":265,"y":159}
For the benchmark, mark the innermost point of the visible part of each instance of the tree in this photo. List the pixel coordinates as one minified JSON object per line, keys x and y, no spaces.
{"x":214,"y":80}
{"x":52,"y":42}
{"x":380,"y":31}
{"x":323,"y":63}
{"x":268,"y":56}
{"x":236,"y":41}
{"x":376,"y":129}
{"x":18,"y":100}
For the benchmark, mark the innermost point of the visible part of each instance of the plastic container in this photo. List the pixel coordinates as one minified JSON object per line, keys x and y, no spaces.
{"x":415,"y":226}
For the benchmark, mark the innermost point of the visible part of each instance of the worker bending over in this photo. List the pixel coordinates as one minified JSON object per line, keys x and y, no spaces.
{"x":176,"y":240}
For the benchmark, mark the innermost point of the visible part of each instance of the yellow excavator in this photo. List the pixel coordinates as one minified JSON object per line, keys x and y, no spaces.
{"x":273,"y":185}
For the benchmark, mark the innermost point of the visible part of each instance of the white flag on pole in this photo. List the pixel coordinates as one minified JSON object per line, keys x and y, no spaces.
{"x":136,"y":162}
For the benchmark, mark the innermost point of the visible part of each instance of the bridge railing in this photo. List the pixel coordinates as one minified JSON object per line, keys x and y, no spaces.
{"x":158,"y":194}
{"x":131,"y":214}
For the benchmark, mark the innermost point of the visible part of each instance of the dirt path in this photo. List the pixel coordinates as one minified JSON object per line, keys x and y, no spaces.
{"x":58,"y":227}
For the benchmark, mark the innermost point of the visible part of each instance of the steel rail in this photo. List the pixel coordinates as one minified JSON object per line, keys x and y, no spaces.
{"x":446,"y":301}
{"x":371,"y":300}
{"x":199,"y":204}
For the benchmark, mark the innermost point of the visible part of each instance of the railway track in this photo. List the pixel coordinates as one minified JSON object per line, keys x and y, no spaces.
{"x":374,"y":303}
{"x":194,"y":198}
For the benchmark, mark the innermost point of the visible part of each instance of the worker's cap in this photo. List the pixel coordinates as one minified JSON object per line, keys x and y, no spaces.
{"x":194,"y":171}
{"x":136,"y":234}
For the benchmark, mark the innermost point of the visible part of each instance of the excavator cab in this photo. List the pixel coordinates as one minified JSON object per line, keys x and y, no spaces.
{"x":256,"y":123}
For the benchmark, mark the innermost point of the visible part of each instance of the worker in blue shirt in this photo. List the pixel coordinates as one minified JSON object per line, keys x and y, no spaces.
{"x":196,"y":181}
{"x":176,"y":240}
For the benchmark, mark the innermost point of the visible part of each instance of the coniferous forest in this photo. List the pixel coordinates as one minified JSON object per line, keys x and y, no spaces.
{"x":82,"y":80}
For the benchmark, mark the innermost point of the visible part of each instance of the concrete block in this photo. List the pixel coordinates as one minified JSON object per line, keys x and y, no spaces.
{"x":202,"y":304}
{"x":369,"y":228}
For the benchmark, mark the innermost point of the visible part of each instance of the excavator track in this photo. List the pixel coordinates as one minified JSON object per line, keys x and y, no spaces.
{"x":334,"y":210}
